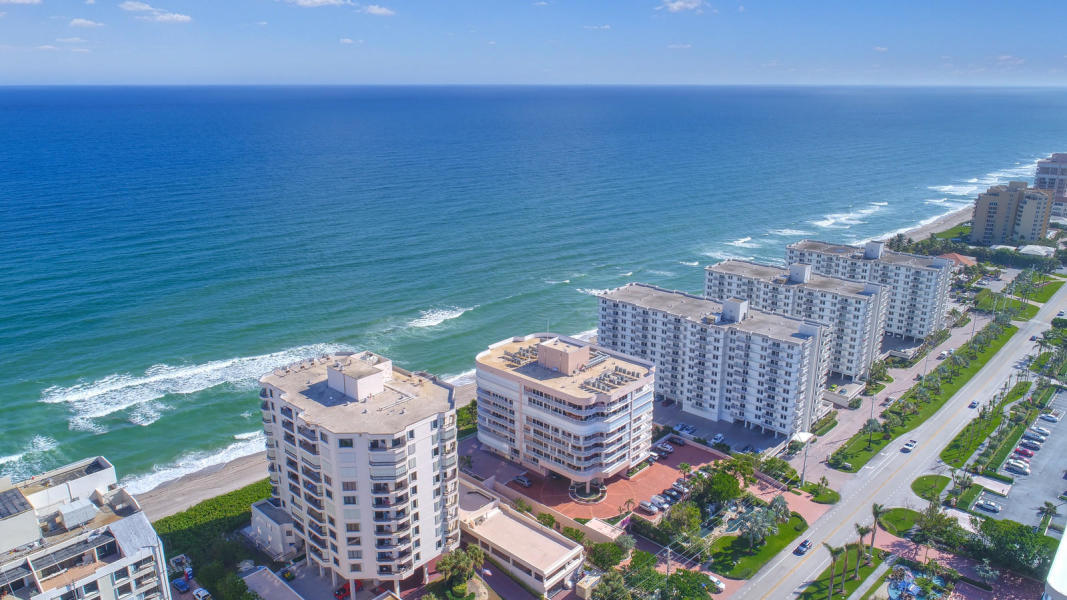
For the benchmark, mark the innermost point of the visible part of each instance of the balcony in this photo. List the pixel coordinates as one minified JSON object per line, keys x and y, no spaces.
{"x":307,"y":433}
{"x":448,"y":434}
{"x":388,"y":455}
{"x":388,"y":474}
{"x":449,"y":461}
{"x":310,"y":448}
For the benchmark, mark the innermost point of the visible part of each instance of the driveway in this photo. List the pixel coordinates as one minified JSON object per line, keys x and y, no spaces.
{"x":736,"y":435}
{"x":1046,"y":481}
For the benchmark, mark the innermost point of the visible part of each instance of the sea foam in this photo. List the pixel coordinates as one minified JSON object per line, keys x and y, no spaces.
{"x":121,"y":391}
{"x":435,"y":316}
{"x":192,"y":462}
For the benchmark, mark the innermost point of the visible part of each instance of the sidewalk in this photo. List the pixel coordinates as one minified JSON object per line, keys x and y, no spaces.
{"x":873,"y":578}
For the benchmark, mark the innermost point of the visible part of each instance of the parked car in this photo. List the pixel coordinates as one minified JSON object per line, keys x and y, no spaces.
{"x":671,"y":494}
{"x":1019,"y":461}
{"x":718,"y":438}
{"x":908,"y":447}
{"x":1024,"y":452}
{"x":1050,"y":418}
{"x":681,"y":489}
{"x":1033,"y":338}
{"x":943,"y":355}
{"x":1059,"y":314}
{"x":1030,"y":445}
{"x":803,"y":548}
{"x":343,"y":592}
{"x":523,"y":480}
{"x":1041,"y":430}
{"x":1036,"y":437}
{"x":973,"y":404}
{"x":987,"y":505}
{"x":653,"y":455}
{"x":649,"y":507}
{"x":181,"y":585}
{"x":660,"y":501}
{"x":677,"y":441}
{"x":665,"y":447}
{"x":1021,"y":470}
{"x":201,"y":594}
{"x":716,"y":584}
{"x":684,"y":427}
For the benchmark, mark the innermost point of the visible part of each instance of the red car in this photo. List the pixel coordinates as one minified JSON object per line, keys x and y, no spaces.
{"x":1024,"y":452}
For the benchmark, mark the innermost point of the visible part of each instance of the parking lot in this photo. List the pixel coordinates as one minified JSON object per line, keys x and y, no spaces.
{"x":1047,"y":479}
{"x":735,"y":434}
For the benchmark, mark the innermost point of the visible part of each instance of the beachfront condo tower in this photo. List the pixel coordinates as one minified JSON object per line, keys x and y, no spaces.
{"x":1051,"y":176}
{"x":556,"y":404}
{"x":74,"y":534}
{"x":721,"y":360}
{"x":1011,"y":213}
{"x":918,"y":285}
{"x":363,"y":460}
{"x":854,"y":311}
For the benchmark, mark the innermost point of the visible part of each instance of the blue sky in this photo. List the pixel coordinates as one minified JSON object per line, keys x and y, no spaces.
{"x":549,"y":41}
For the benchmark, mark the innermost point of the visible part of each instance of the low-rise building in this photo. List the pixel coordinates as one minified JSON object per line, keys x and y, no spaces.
{"x":854,"y":311}
{"x":557,"y":404}
{"x":721,"y":361}
{"x":272,"y":530}
{"x":74,"y":534}
{"x":918,"y":285}
{"x":538,"y":556}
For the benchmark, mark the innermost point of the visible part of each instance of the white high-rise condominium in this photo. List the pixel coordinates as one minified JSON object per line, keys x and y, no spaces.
{"x":1051,"y":176}
{"x":74,"y":534}
{"x":363,"y":458}
{"x":854,"y":311}
{"x":918,"y":285}
{"x":721,"y":361}
{"x":562,"y":405}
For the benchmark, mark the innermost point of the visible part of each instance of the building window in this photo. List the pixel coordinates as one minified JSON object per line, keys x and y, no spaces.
{"x":356,"y":568}
{"x":350,"y":500}
{"x":344,"y":442}
{"x":355,"y":554}
{"x":348,"y":486}
{"x":354,"y":527}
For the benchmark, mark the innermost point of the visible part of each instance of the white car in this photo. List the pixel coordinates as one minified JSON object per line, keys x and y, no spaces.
{"x":718,"y":438}
{"x":201,"y":594}
{"x":665,"y":447}
{"x":988,"y":505}
{"x":1041,"y":430}
{"x":909,"y":446}
{"x":1021,"y":470}
{"x":1050,"y":418}
{"x":717,"y":584}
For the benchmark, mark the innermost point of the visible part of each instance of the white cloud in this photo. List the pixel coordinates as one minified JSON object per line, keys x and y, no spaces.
{"x":880,"y":49}
{"x":600,"y":27}
{"x":541,"y":3}
{"x":377,"y":10}
{"x":70,"y":40}
{"x":47,"y":47}
{"x":680,"y":5}
{"x":1009,"y":60}
{"x":679,"y":46}
{"x":84,"y":23}
{"x":90,"y":1}
{"x":317,"y":3}
{"x":261,"y":23}
{"x":20,"y":1}
{"x":81,"y":50}
{"x":492,"y":42}
{"x":346,"y":41}
{"x":159,"y":15}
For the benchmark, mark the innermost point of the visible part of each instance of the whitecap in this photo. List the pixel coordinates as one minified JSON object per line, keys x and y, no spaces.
{"x":556,"y":281}
{"x":689,"y":263}
{"x":720,"y":255}
{"x":745,"y":242}
{"x":846,"y":220}
{"x":147,"y":413}
{"x":661,"y":273}
{"x":250,"y":435}
{"x":121,"y":391}
{"x":789,"y":232}
{"x":192,"y":462}
{"x":435,"y":316}
{"x":627,"y":274}
{"x":30,"y":460}
{"x":464,"y":378}
{"x":591,"y":291}
{"x":880,"y":203}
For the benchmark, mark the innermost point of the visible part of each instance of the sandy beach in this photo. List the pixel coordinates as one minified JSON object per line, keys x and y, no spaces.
{"x":177,"y":495}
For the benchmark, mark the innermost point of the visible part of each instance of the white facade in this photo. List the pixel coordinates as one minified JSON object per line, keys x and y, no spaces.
{"x":721,"y":361}
{"x":1051,"y":176}
{"x":89,"y":539}
{"x":854,"y":311}
{"x":273,"y":532}
{"x":363,"y":459}
{"x":918,"y":298}
{"x":558,"y":404}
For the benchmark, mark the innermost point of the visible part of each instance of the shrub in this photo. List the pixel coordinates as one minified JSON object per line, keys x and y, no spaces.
{"x":574,"y":533}
{"x":547,"y":520}
{"x":605,"y":555}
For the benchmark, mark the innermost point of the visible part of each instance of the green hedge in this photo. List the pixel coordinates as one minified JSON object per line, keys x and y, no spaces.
{"x":967,"y":441}
{"x":825,"y":424}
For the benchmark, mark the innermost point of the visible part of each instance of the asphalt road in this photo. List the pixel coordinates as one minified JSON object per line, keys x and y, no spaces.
{"x":887,"y":478}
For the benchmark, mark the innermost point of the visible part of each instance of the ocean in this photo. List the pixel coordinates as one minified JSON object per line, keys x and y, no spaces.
{"x":163,"y":247}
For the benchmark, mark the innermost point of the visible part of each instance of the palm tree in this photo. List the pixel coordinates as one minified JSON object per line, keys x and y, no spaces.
{"x":861,"y":531}
{"x":780,"y":509}
{"x":871,"y":427}
{"x":685,"y":469}
{"x":627,"y":506}
{"x":1048,"y":510}
{"x":834,"y":553}
{"x":757,"y":527}
{"x":876,"y":512}
{"x":476,"y":556}
{"x":844,"y":570}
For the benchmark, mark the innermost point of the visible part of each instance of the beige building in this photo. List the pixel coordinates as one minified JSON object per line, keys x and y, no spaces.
{"x":1011,"y":213}
{"x":538,"y":556}
{"x":918,"y":285}
{"x":1051,"y":176}
{"x":562,"y":405}
{"x":74,"y":534}
{"x":363,"y":459}
{"x":721,"y":361}
{"x":854,"y":311}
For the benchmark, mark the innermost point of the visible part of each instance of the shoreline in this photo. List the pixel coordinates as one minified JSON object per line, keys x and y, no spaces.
{"x":179,"y":494}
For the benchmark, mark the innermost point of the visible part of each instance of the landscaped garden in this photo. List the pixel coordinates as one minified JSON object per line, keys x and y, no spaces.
{"x":898,"y":521}
{"x":988,"y":301}
{"x":929,"y":487}
{"x":844,"y":583}
{"x":736,"y":558}
{"x":966,"y":442}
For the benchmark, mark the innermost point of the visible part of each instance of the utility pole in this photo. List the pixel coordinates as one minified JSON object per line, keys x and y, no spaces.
{"x":668,"y":580}
{"x":807,"y":442}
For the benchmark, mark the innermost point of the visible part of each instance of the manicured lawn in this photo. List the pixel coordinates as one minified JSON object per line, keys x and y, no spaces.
{"x":967,"y":441}
{"x":1045,"y":292}
{"x":857,"y":453}
{"x":825,"y":424}
{"x":1039,"y":363}
{"x":929,"y":487}
{"x":467,"y":419}
{"x":959,"y":231}
{"x":828,"y":496}
{"x":732,"y":550}
{"x":817,"y":590}
{"x":898,"y":520}
{"x":986,"y":300}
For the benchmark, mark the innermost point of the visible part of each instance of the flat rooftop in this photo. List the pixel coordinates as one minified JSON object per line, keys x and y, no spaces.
{"x":524,"y":540}
{"x":857,"y":253}
{"x":12,"y":503}
{"x":700,"y":310}
{"x":64,"y":474}
{"x":780,"y":276}
{"x":407,"y":397}
{"x":605,"y":371}
{"x":117,"y":506}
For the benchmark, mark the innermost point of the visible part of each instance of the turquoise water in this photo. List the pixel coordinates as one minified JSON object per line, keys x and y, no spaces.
{"x":163,"y":247}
